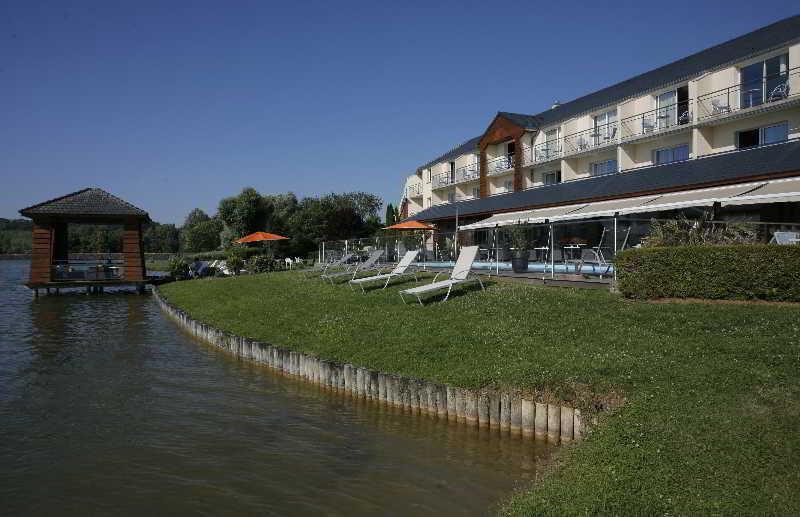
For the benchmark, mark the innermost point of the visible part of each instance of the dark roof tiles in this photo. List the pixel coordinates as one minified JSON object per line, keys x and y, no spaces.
{"x":86,"y":202}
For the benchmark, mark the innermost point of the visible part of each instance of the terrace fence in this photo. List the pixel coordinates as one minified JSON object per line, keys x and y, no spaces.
{"x":558,"y":250}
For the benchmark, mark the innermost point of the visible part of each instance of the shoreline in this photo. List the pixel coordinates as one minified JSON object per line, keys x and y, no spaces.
{"x":508,"y":411}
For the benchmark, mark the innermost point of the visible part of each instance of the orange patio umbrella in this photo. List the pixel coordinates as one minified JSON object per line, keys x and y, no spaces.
{"x":410,"y":225}
{"x":261,"y":236}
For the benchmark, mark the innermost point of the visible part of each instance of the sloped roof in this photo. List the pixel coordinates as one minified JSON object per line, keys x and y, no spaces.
{"x":470,"y":146}
{"x":758,"y":41}
{"x":731,"y":167}
{"x":90,"y":202}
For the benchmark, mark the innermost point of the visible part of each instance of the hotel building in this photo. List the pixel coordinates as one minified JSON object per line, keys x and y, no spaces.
{"x":719,"y":129}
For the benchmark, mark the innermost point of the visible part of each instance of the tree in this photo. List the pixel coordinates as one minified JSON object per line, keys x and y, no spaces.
{"x":203,"y":236}
{"x":245,"y":213}
{"x":195,"y":217}
{"x":161,"y":238}
{"x":390,"y":215}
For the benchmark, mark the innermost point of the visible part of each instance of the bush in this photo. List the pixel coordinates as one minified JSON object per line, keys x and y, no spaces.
{"x":262,"y":264}
{"x":738,"y":272}
{"x":178,"y":268}
{"x":235,"y":263}
{"x":694,"y":232}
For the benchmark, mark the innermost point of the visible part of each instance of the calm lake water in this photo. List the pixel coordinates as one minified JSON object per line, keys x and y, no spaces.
{"x":107,"y":408}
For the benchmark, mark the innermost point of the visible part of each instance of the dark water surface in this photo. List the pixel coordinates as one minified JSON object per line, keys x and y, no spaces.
{"x":107,"y":408}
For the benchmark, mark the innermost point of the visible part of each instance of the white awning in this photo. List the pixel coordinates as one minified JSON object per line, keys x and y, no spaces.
{"x":775,"y":191}
{"x":499,"y":220}
{"x":701,"y":197}
{"x":605,"y":208}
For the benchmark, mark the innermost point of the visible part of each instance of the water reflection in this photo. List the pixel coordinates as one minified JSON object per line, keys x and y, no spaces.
{"x":107,"y":407}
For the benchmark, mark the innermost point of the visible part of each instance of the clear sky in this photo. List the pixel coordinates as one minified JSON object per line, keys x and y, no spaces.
{"x":174,"y":105}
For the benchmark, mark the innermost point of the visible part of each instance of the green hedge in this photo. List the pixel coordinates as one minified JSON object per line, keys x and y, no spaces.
{"x":740,"y":272}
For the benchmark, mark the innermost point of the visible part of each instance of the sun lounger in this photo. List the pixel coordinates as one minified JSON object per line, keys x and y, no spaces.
{"x":367,"y":265}
{"x":785,"y":238}
{"x":400,"y":270}
{"x":323,"y":267}
{"x":460,"y":275}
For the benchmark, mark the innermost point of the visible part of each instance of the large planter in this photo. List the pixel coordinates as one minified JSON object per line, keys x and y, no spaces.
{"x":519,"y":261}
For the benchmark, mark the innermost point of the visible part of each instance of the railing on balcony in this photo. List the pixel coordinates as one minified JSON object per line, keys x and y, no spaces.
{"x":87,"y":270}
{"x":593,"y":138}
{"x":499,"y":165}
{"x":442,"y":180}
{"x":764,"y":91}
{"x":461,"y":175}
{"x":656,"y":120}
{"x":468,"y":173}
{"x":414,"y":190}
{"x":543,"y":152}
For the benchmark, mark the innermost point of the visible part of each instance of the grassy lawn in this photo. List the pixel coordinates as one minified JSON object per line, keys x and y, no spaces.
{"x":711,"y":419}
{"x":157,"y":265}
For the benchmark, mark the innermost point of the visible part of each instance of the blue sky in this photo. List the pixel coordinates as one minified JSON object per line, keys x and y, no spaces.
{"x":174,"y":105}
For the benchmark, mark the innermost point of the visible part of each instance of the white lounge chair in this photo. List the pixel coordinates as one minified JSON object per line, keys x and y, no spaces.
{"x":398,"y":271}
{"x":785,"y":238}
{"x":367,"y":265}
{"x":461,"y":274}
{"x":326,"y":266}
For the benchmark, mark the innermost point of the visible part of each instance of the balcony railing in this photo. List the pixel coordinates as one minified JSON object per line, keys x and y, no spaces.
{"x":764,"y":91}
{"x":543,"y":152}
{"x":414,"y":190}
{"x":442,"y":180}
{"x":463,"y":174}
{"x":468,"y":173}
{"x":86,"y":270}
{"x":499,"y":165}
{"x":656,"y":120}
{"x":589,"y":139}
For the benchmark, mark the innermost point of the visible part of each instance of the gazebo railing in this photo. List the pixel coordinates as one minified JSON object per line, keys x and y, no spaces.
{"x":88,"y":270}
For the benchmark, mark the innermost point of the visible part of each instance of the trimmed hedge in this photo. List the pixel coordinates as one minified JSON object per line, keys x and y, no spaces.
{"x":738,"y":272}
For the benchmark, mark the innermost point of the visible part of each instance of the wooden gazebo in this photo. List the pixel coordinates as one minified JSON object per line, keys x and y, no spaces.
{"x":50,"y":261}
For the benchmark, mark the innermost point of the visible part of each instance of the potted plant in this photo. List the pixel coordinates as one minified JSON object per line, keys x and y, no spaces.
{"x":518,"y":237}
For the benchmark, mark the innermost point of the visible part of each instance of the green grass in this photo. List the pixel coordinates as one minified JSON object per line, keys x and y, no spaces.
{"x":711,"y":419}
{"x":157,"y":265}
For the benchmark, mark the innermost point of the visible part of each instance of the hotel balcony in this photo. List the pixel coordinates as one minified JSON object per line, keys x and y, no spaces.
{"x":500,"y":165}
{"x":463,"y":174}
{"x":754,"y":96}
{"x":598,"y":137}
{"x":544,"y":152}
{"x":657,"y":121}
{"x":414,"y":190}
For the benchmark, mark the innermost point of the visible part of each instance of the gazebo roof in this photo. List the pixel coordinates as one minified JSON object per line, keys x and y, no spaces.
{"x":89,"y":202}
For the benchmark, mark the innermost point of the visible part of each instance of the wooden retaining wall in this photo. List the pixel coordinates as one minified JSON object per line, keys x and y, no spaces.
{"x":507,"y":411}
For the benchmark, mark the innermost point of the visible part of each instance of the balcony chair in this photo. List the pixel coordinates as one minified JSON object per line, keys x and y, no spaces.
{"x":717,"y":107}
{"x":779,"y":93}
{"x":460,"y":275}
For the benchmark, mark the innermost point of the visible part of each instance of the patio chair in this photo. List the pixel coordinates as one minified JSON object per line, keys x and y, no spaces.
{"x":367,"y":265}
{"x":785,"y":238}
{"x":400,"y":270}
{"x":461,"y":274}
{"x":779,"y":93}
{"x":718,"y":107}
{"x":648,"y":125}
{"x":593,"y":258}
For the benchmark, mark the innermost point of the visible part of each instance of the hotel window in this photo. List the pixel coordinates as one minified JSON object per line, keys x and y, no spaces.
{"x":672,"y":108}
{"x":509,"y":186}
{"x":604,"y":167}
{"x":605,"y":127}
{"x":451,"y":196}
{"x":452,"y":172}
{"x":762,"y":136}
{"x":551,"y":178}
{"x":765,"y":81}
{"x":476,"y":192}
{"x":671,"y":154}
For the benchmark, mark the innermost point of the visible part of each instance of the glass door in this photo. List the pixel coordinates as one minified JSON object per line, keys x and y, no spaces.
{"x":666,"y":112}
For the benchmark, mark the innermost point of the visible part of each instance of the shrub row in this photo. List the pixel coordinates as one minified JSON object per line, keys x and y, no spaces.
{"x":738,"y":272}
